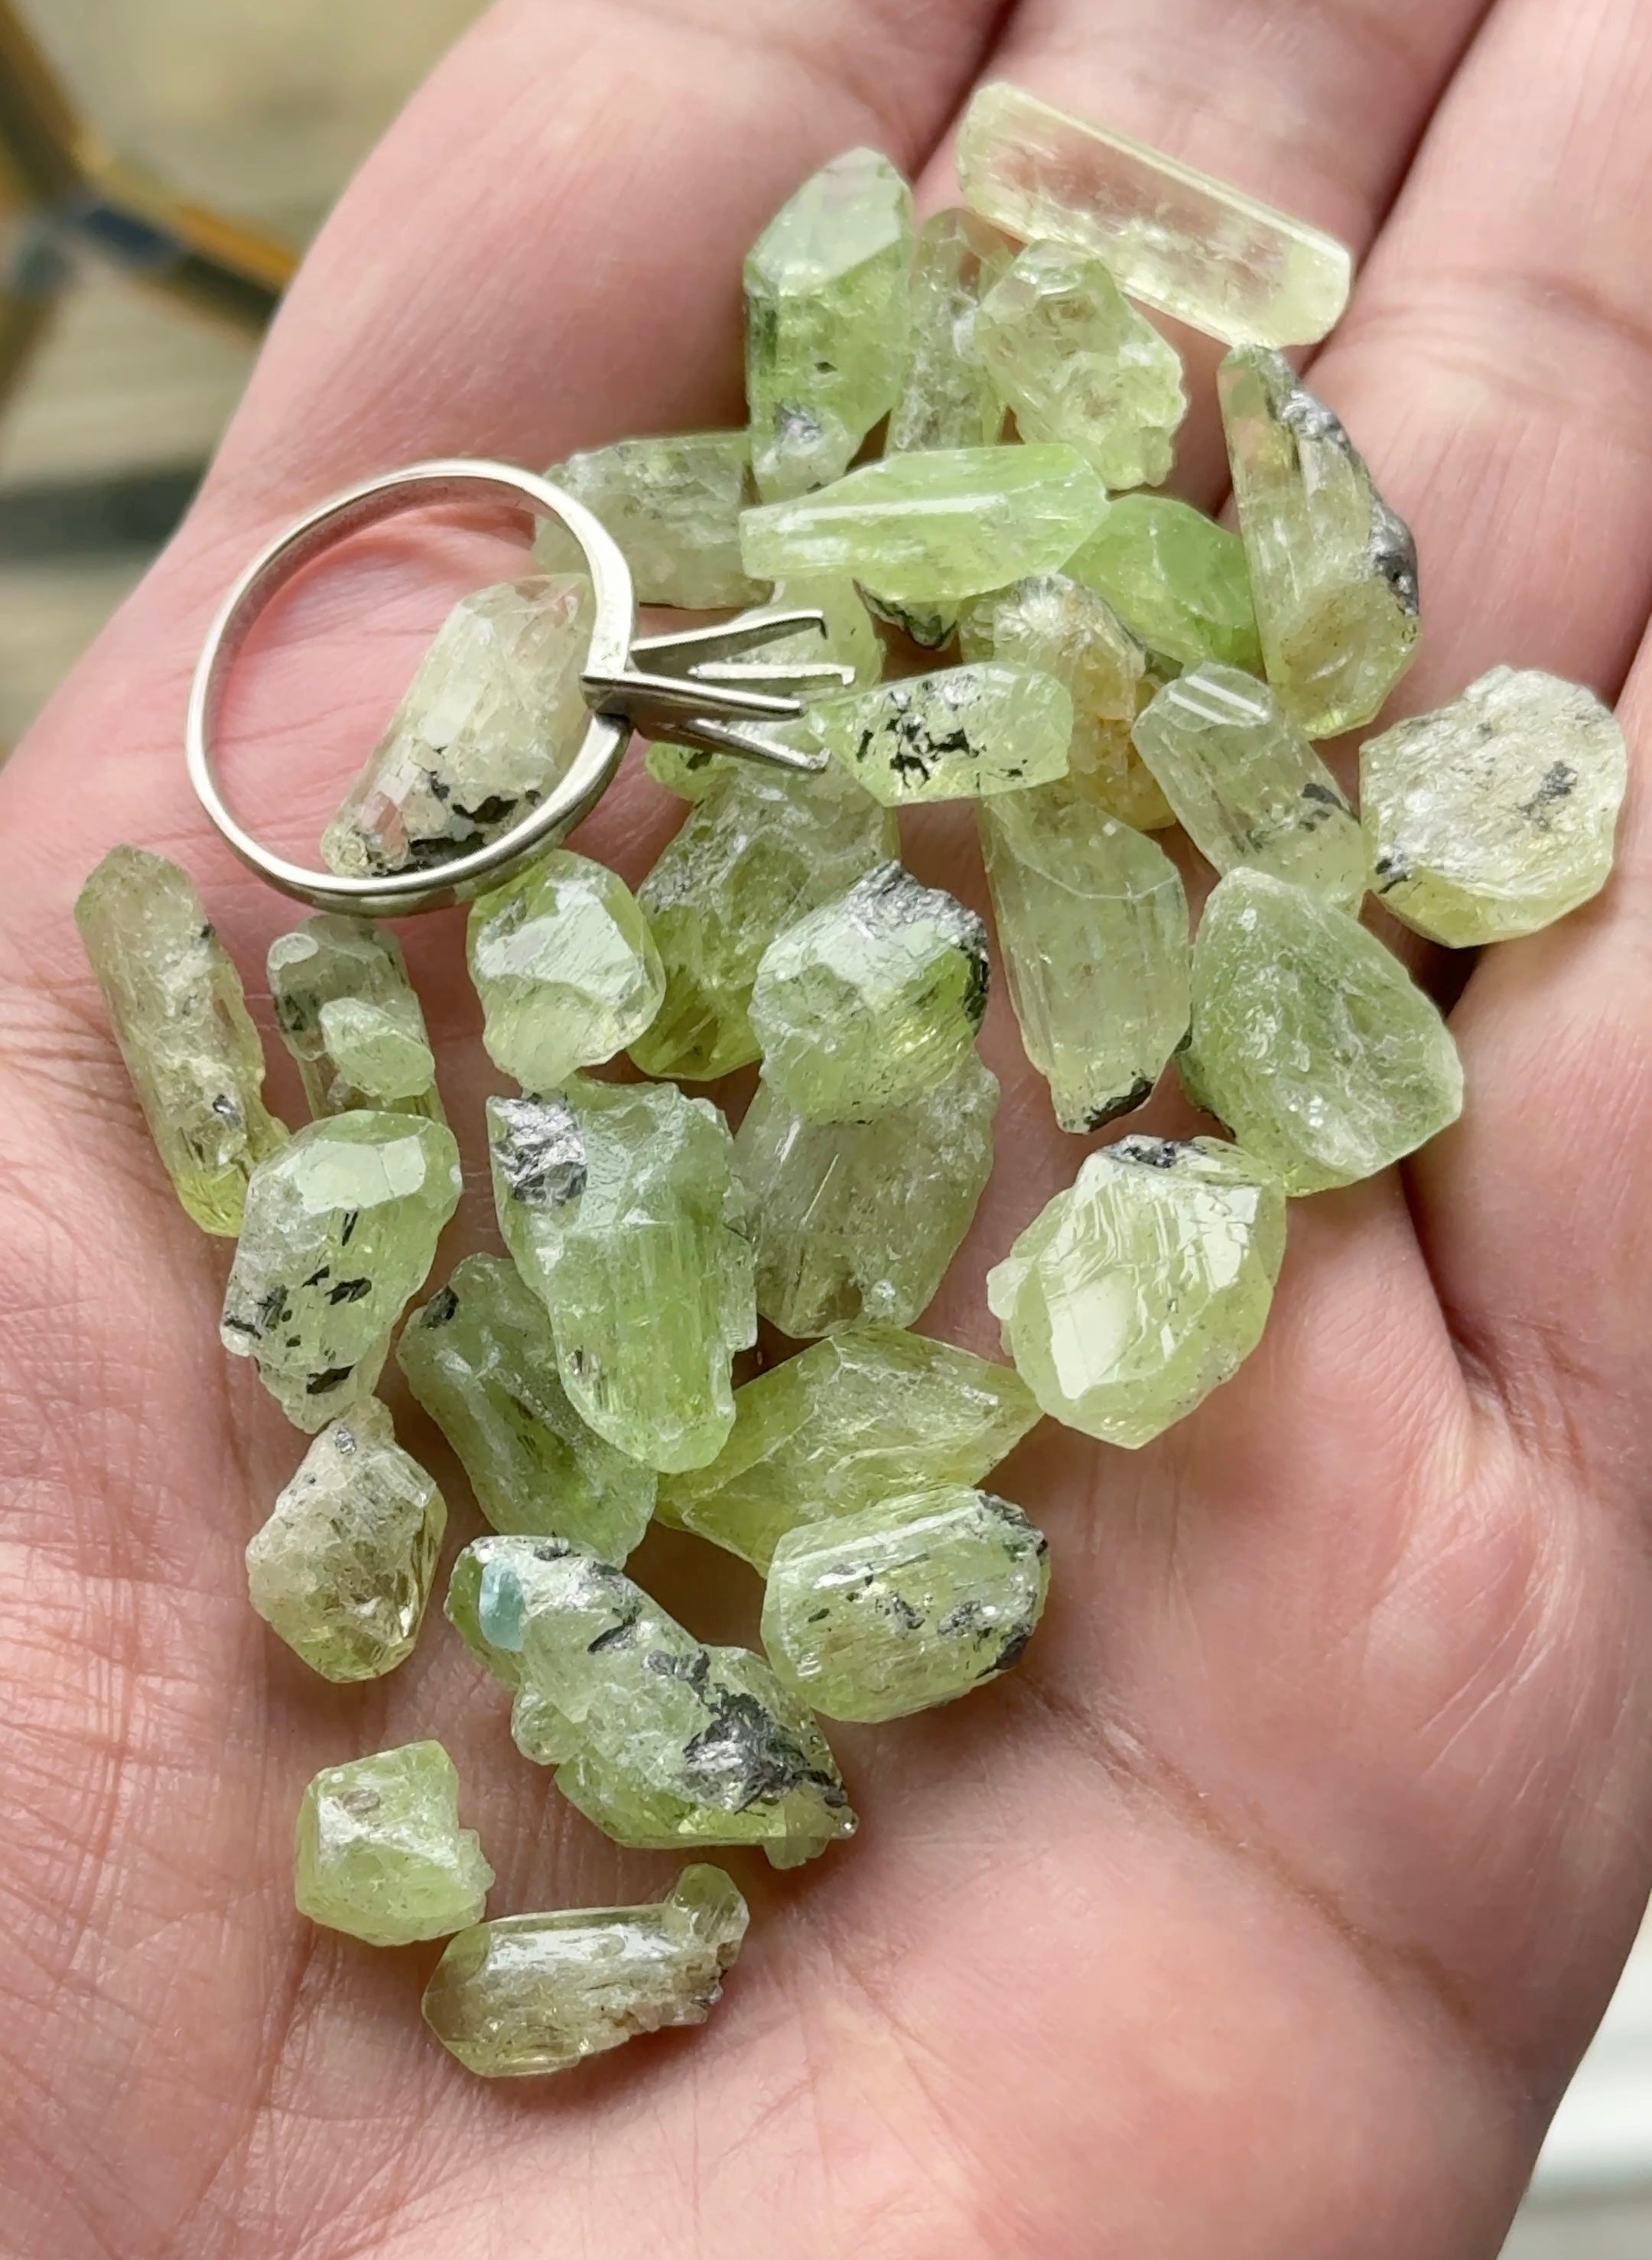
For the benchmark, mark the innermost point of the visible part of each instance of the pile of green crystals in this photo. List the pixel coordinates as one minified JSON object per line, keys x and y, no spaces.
{"x":956,"y":436}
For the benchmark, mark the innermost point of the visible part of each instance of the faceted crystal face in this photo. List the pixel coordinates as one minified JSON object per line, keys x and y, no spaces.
{"x":1092,"y":923}
{"x":481,"y":1359}
{"x":1178,"y":580}
{"x":1310,"y":1041}
{"x":869,"y":1412}
{"x":758,"y":851}
{"x":947,"y":399}
{"x":920,"y":529}
{"x":904,"y":1605}
{"x":342,"y":1569}
{"x":340,"y":1228}
{"x":860,"y":1219}
{"x":1077,"y":364}
{"x":1497,"y":814}
{"x":619,"y":1205}
{"x":1247,"y":786}
{"x":958,"y":735}
{"x":492,"y":722}
{"x":534,"y":1993}
{"x":347,"y":1014}
{"x":1333,"y":569}
{"x":673,"y":506}
{"x":871,"y":1000}
{"x":828,"y":317}
{"x":180,"y":1018}
{"x":380,"y":1852}
{"x":1172,"y":237}
{"x":566,"y":968}
{"x":1136,"y":1293}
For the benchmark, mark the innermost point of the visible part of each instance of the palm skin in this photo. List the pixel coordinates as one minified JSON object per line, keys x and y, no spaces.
{"x":1266,"y":1908}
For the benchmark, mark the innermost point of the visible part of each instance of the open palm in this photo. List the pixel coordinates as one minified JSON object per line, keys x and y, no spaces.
{"x":1264,"y":1911}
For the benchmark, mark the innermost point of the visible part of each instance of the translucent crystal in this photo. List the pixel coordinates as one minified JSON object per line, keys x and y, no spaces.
{"x":957,"y":735}
{"x":904,"y":1604}
{"x":866,"y":1413}
{"x":854,"y":1220}
{"x":341,"y":1225}
{"x":673,"y":506}
{"x":1174,"y":237}
{"x":493,"y":718}
{"x":1176,"y":578}
{"x":538,"y":1992}
{"x":380,"y":1853}
{"x":758,"y":851}
{"x":1133,"y":1296}
{"x":481,"y":1359}
{"x":348,"y":1014}
{"x":342,"y":1569}
{"x":947,"y":399}
{"x":923,"y":528}
{"x":1496,"y":815}
{"x":180,"y":1018}
{"x":1092,"y":923}
{"x":619,"y":1204}
{"x":930,"y":626}
{"x":566,"y":968}
{"x":1333,"y":569}
{"x":872,"y":999}
{"x":1247,"y":786}
{"x":1310,"y":1041}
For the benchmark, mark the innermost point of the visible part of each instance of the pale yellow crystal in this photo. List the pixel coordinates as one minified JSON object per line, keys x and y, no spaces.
{"x":948,"y":399}
{"x":673,"y":506}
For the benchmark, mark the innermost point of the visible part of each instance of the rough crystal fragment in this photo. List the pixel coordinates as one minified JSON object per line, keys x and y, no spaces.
{"x":1133,"y":1296}
{"x":1092,"y":922}
{"x":619,"y":1204}
{"x":924,"y":528}
{"x":859,"y":1220}
{"x":1333,"y":571}
{"x":957,"y":735}
{"x":1247,"y":786}
{"x":380,"y":1853}
{"x":493,"y":718}
{"x":1193,"y":246}
{"x":1310,"y":1041}
{"x":340,"y":1228}
{"x":947,"y":399}
{"x":673,"y":506}
{"x":871,"y":1000}
{"x":348,"y":1014}
{"x":481,"y":1359}
{"x":1497,"y":814}
{"x":533,"y":1993}
{"x":180,"y":1018}
{"x":904,"y":1604}
{"x":853,"y":1419}
{"x":930,"y":626}
{"x":758,"y":853}
{"x":342,"y":1569}
{"x":1176,"y":578}
{"x":828,"y":317}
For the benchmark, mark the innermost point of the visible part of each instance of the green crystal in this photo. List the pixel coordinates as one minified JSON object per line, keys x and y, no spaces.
{"x":1247,"y":786}
{"x":1310,"y":1041}
{"x":673,"y":506}
{"x":348,"y":1014}
{"x":930,"y":626}
{"x":828,"y":318}
{"x":533,"y":1993}
{"x":853,"y":1419}
{"x":180,"y":1018}
{"x":491,"y":723}
{"x":948,"y":399}
{"x":904,"y":1604}
{"x":1178,"y":580}
{"x":924,"y":528}
{"x":380,"y":1852}
{"x":871,"y":1000}
{"x":1130,"y":1297}
{"x":1195,"y":248}
{"x":481,"y":1359}
{"x":619,"y":1204}
{"x":958,"y":735}
{"x":1333,"y":569}
{"x":1078,"y":365}
{"x":340,"y":1228}
{"x":758,"y":851}
{"x":1497,"y":814}
{"x":859,"y":1220}
{"x":1092,"y":922}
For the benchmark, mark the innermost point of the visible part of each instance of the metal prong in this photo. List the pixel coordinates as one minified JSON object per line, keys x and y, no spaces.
{"x":677,"y":653}
{"x":813,"y":675}
{"x":636,"y":695}
{"x":752,"y":744}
